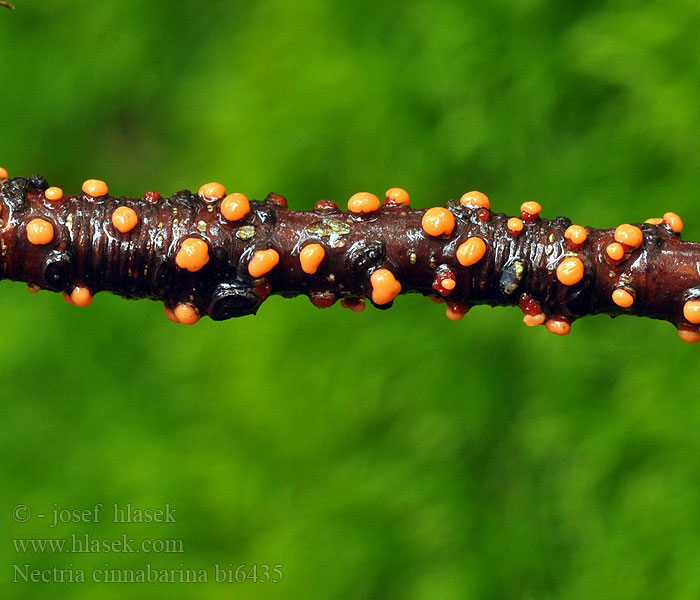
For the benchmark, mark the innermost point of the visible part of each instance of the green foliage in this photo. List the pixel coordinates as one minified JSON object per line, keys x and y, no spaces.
{"x":390,"y":454}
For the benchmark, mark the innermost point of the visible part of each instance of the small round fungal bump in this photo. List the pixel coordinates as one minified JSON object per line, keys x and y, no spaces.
{"x":186,"y":313}
{"x":235,"y":206}
{"x":385,"y":286}
{"x":623,"y":298}
{"x":515,"y":226}
{"x":55,"y":194}
{"x":151,"y":197}
{"x":356,"y":305}
{"x":212,"y":191}
{"x":455,"y":311}
{"x":81,"y":296}
{"x":397,"y":197}
{"x":33,"y":288}
{"x":124,"y":219}
{"x":39,"y":232}
{"x":96,"y":188}
{"x":529,"y":211}
{"x":3,"y":174}
{"x":326,"y":206}
{"x":322,"y":299}
{"x":558,"y":326}
{"x":475,"y":199}
{"x":193,"y":255}
{"x":276,"y":199}
{"x":674,"y":222}
{"x":445,"y":281}
{"x":170,"y":314}
{"x":311,"y":257}
{"x":615,"y":251}
{"x":570,"y":271}
{"x":263,"y":262}
{"x":363,"y":202}
{"x":689,"y":333}
{"x":629,"y":235}
{"x":654,"y":221}
{"x":576,"y":236}
{"x":691,"y":311}
{"x":534,"y":320}
{"x":471,"y":251}
{"x":436,"y":299}
{"x":438,"y":221}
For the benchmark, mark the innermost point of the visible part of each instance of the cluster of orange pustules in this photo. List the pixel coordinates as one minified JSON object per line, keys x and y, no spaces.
{"x":193,"y":253}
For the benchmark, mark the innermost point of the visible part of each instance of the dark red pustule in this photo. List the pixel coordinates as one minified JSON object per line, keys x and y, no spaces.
{"x":444,"y":275}
{"x":262,"y":289}
{"x":277,"y":199}
{"x":455,"y":310}
{"x":529,"y":305}
{"x":353,"y":303}
{"x":151,"y":196}
{"x":483,"y":214}
{"x":322,"y":299}
{"x":326,"y":205}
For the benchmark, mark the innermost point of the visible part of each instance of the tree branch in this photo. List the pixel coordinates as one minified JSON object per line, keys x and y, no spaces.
{"x":218,"y":255}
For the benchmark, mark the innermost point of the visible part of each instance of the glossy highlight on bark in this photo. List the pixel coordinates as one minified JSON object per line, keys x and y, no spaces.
{"x":208,"y":254}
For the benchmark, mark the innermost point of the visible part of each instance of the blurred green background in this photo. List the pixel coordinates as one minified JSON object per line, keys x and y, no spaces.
{"x":392,"y":454}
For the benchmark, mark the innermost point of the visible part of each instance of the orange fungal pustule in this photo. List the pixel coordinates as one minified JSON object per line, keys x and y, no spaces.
{"x":193,"y":254}
{"x":438,"y":221}
{"x":124,"y":219}
{"x":3,"y":174}
{"x":654,"y":221}
{"x":576,"y":235}
{"x":570,"y":271}
{"x":235,"y":207}
{"x":629,"y":235}
{"x":673,"y":221}
{"x":529,"y":211}
{"x":622,"y":298}
{"x":615,"y":251}
{"x":81,"y":296}
{"x":263,"y":262}
{"x":475,"y":199}
{"x":398,"y":196}
{"x":515,"y":225}
{"x":96,"y":188}
{"x":310,"y":257}
{"x":363,"y":202}
{"x":691,"y":311}
{"x":54,"y":194}
{"x":471,"y":251}
{"x":170,"y":313}
{"x":689,"y":333}
{"x":385,"y":287}
{"x":534,"y":320}
{"x":212,"y":191}
{"x":558,"y":326}
{"x":39,"y":232}
{"x":186,"y":313}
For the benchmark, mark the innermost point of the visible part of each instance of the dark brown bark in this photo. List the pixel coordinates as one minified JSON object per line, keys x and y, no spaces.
{"x":661,"y":274}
